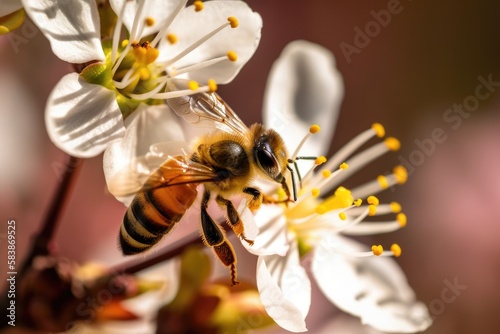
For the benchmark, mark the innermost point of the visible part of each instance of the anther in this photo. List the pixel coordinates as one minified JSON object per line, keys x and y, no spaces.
{"x":320,"y":160}
{"x":315,"y":192}
{"x":172,"y":38}
{"x":401,"y":174}
{"x":198,"y":5}
{"x":326,"y":173}
{"x":232,"y":56}
{"x":342,"y":216}
{"x":125,"y":43}
{"x":401,"y":218}
{"x":395,"y":207}
{"x":377,"y":250}
{"x":373,"y":200}
{"x":233,"y":21}
{"x":372,"y":210}
{"x":379,"y":129}
{"x":314,"y":129}
{"x":149,"y":21}
{"x":392,"y":143}
{"x":396,"y":250}
{"x":383,"y":182}
{"x":343,"y":166}
{"x":358,"y":202}
{"x":193,"y":85}
{"x":212,"y":86}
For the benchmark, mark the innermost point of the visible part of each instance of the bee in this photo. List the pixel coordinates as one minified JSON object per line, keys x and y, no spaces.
{"x":225,"y":162}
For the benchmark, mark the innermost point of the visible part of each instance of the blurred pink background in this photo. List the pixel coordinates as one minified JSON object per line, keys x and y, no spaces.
{"x":426,"y":59}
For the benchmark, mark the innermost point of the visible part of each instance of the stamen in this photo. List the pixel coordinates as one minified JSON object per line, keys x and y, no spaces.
{"x":312,"y":130}
{"x":196,"y":44}
{"x":233,"y":21}
{"x":172,"y":38}
{"x":212,"y":86}
{"x":232,"y":56}
{"x":377,"y":250}
{"x":168,"y":22}
{"x":372,"y":210}
{"x":193,"y":85}
{"x":392,"y":143}
{"x":396,"y":250}
{"x":180,"y":93}
{"x":401,"y":218}
{"x":161,"y":84}
{"x":149,"y":21}
{"x":315,"y":192}
{"x":395,"y":207}
{"x":382,"y":182}
{"x":401,"y":174}
{"x":379,"y":129}
{"x":199,"y":65}
{"x":116,"y":34}
{"x":342,"y":216}
{"x":317,"y":162}
{"x":198,"y":5}
{"x":373,"y":200}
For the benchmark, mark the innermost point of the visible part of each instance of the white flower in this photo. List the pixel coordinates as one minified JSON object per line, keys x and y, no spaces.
{"x":167,"y":42}
{"x":305,"y":84}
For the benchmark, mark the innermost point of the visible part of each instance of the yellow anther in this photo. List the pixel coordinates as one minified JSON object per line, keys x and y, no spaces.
{"x":343,"y":166}
{"x":372,"y":210}
{"x":382,"y":181}
{"x":314,"y":129}
{"x":315,"y":192}
{"x":198,"y":5}
{"x":232,"y":56}
{"x":377,"y":250}
{"x":395,"y":207}
{"x":392,"y":143}
{"x":379,"y":129}
{"x":212,"y":86}
{"x":233,"y":21}
{"x":401,"y":174}
{"x":172,"y":38}
{"x":12,"y":21}
{"x":396,"y":250}
{"x":151,"y":55}
{"x":358,"y":202}
{"x":342,"y":216}
{"x":144,"y":74}
{"x":326,"y":173}
{"x":320,"y":160}
{"x":193,"y":85}
{"x":341,"y":199}
{"x":124,"y":43}
{"x":401,"y":218}
{"x":373,"y":200}
{"x":149,"y":21}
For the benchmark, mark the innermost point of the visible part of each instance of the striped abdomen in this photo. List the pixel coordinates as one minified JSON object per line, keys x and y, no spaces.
{"x":153,"y":213}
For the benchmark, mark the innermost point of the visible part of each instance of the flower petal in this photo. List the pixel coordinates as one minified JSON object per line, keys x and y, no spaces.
{"x":285,"y":289}
{"x":72,"y":28}
{"x":82,"y":118}
{"x":374,"y":288}
{"x":190,"y":26}
{"x":304,"y":88}
{"x":153,"y":134}
{"x":272,"y":237}
{"x":158,"y":10}
{"x":10,"y":6}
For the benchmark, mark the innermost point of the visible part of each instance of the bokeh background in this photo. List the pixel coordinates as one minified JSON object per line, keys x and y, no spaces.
{"x":426,"y":60}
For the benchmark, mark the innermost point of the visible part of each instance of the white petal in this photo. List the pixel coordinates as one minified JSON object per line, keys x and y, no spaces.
{"x":10,"y":6}
{"x":82,"y":118}
{"x":153,"y":134}
{"x":304,"y":88}
{"x":159,"y":10}
{"x":72,"y":28}
{"x":251,"y":229}
{"x":272,"y":237}
{"x":372,"y":288}
{"x":190,"y":26}
{"x":285,"y":290}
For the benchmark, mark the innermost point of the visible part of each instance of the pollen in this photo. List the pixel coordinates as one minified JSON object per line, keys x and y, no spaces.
{"x":172,"y":38}
{"x":358,"y":202}
{"x":193,"y":85}
{"x":373,"y":200}
{"x":314,"y":129}
{"x":212,"y":86}
{"x":343,"y":166}
{"x":396,"y":250}
{"x":232,"y":56}
{"x":149,"y":21}
{"x":198,"y":5}
{"x":342,"y":216}
{"x":395,"y":207}
{"x":401,"y":174}
{"x":372,"y":210}
{"x":401,"y":218}
{"x":392,"y":143}
{"x":379,"y":129}
{"x":377,"y":250}
{"x":326,"y":173}
{"x":125,"y":42}
{"x":233,"y":21}
{"x":315,"y":192}
{"x":383,"y":182}
{"x":320,"y":160}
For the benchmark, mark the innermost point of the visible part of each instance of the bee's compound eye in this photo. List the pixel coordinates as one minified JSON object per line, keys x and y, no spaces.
{"x":267,"y":160}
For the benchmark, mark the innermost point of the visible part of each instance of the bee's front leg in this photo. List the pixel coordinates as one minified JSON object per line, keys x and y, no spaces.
{"x":233,"y":218}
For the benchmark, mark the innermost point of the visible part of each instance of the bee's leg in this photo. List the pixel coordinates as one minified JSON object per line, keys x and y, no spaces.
{"x":257,"y":198}
{"x":233,"y":218}
{"x":214,"y":237}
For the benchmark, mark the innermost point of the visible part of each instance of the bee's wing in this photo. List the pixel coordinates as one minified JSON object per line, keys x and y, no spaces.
{"x":208,"y":110}
{"x":173,"y":171}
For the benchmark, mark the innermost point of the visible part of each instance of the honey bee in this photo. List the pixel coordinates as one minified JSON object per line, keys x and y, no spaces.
{"x":225,"y":162}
